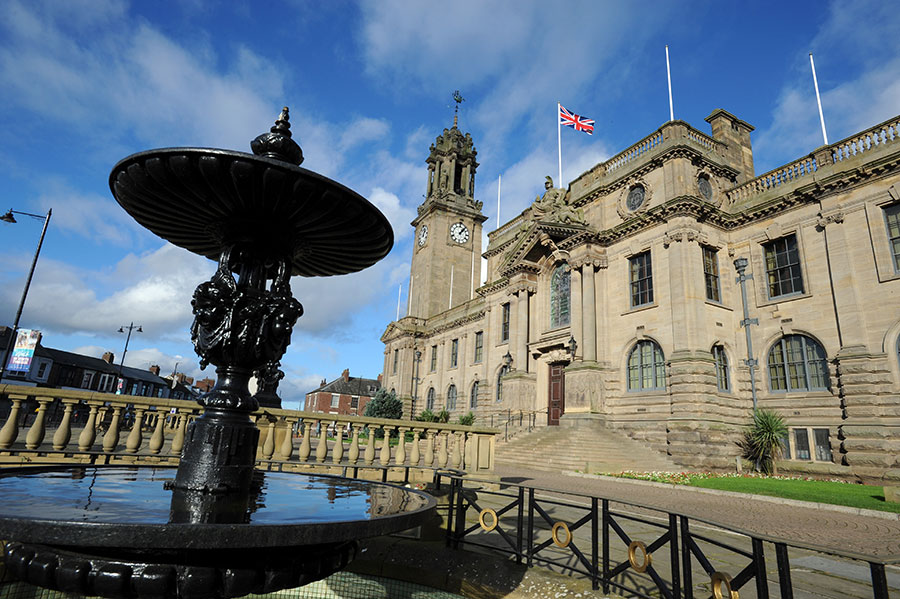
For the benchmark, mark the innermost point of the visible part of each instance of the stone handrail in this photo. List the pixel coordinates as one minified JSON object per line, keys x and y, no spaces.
{"x":878,"y":135}
{"x":102,"y":428}
{"x":875,"y":137}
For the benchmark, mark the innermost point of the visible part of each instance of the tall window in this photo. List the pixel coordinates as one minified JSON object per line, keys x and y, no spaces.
{"x":559,"y":296}
{"x":641,"y":277}
{"x":451,"y":398}
{"x":797,"y":363}
{"x":433,"y":358}
{"x":711,"y":274}
{"x":335,"y":400}
{"x":479,"y":347}
{"x":783,"y":267}
{"x":454,"y":353}
{"x":721,"y":359}
{"x":646,"y":367}
{"x":500,"y":375}
{"x":892,"y":219}
{"x":504,"y":323}
{"x":429,"y":401}
{"x":396,"y":359}
{"x":354,"y":402}
{"x":473,"y":398}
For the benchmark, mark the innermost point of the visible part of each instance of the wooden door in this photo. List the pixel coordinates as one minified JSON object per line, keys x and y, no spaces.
{"x":557,"y":402}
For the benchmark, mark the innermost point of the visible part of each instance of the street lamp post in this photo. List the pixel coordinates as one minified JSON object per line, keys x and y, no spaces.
{"x":740,"y":265}
{"x":130,"y":328}
{"x":418,"y":358}
{"x":9,"y":218}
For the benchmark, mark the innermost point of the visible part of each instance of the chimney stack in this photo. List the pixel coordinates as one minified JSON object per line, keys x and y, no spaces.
{"x":108,"y":357}
{"x":155,"y":369}
{"x":346,"y":375}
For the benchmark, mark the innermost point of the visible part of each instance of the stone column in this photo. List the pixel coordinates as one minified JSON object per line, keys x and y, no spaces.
{"x":521,"y":355}
{"x":589,"y":314}
{"x":575,"y":308}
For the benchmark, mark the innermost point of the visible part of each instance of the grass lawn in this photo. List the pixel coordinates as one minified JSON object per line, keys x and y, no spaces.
{"x":867,"y":497}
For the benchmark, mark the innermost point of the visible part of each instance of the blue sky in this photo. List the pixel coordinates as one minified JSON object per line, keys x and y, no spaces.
{"x":85,"y":83}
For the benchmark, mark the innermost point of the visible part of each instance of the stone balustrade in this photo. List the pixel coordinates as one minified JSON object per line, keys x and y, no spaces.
{"x":879,"y":135}
{"x":65,"y":426}
{"x":871,"y":139}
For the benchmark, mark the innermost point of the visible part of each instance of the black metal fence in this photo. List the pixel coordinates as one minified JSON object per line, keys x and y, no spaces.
{"x":627,"y":547}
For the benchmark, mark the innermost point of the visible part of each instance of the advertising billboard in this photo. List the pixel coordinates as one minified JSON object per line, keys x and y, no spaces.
{"x":23,"y":352}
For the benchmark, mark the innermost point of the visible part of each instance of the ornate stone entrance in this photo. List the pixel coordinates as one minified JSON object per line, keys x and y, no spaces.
{"x":556,"y":405}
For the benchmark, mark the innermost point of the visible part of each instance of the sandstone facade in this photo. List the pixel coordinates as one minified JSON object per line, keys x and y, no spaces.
{"x":617,"y":299}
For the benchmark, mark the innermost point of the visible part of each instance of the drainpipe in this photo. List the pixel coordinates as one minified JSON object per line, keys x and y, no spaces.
{"x":740,"y":265}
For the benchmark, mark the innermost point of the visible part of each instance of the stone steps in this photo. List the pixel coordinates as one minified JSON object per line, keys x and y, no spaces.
{"x":592,"y":449}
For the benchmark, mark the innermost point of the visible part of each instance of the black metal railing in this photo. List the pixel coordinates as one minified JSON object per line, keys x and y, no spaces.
{"x":628,"y":547}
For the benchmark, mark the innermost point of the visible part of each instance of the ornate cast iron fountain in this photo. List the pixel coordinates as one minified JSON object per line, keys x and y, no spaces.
{"x":218,"y":527}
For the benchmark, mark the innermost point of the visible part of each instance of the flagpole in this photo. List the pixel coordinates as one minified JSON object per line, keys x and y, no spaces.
{"x":559,"y":144}
{"x":499,"y":180}
{"x":818,"y":99}
{"x":669,"y":77}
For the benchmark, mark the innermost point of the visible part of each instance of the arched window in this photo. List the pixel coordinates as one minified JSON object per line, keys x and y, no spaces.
{"x":559,"y":296}
{"x":503,"y":371}
{"x":797,"y":363}
{"x":721,"y":359}
{"x":473,"y":398}
{"x":451,"y":398}
{"x":646,"y":367}
{"x":429,"y":401}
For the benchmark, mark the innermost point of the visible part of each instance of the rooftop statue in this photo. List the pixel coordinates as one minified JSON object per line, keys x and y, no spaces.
{"x":552,"y":206}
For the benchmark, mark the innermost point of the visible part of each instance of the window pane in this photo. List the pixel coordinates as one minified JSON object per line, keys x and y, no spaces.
{"x":783,"y":267}
{"x":646,"y":367}
{"x":559,"y":296}
{"x":892,"y":219}
{"x":711,"y":274}
{"x":721,"y":361}
{"x":801,"y":444}
{"x":823,"y":445}
{"x":641,"y":279}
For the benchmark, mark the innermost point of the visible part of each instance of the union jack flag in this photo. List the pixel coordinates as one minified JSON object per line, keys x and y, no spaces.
{"x":579,"y":123}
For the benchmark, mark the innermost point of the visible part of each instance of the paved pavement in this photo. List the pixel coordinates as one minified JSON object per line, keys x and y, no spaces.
{"x":854,"y":533}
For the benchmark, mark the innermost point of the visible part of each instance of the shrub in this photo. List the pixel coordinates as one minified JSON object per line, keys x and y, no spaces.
{"x":762,"y":440}
{"x":426,"y":416}
{"x":467,"y":420}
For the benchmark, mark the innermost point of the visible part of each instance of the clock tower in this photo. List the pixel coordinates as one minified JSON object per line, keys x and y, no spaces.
{"x":446,"y":261}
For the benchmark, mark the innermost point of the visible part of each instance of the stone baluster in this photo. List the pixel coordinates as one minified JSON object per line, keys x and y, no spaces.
{"x":111,"y":438}
{"x":305,"y":447}
{"x":35,"y":435}
{"x":158,"y":438}
{"x":89,"y":432}
{"x":353,"y":454}
{"x":442,"y":450}
{"x":322,"y":447}
{"x":64,"y":431}
{"x":384,"y":458}
{"x":286,"y":450}
{"x":469,"y":454}
{"x":369,"y":457}
{"x":10,"y":430}
{"x":400,"y":454}
{"x":337,"y":452}
{"x":178,"y":439}
{"x":414,"y":451}
{"x":429,"y":448}
{"x":135,"y":437}
{"x":459,"y":457}
{"x":456,"y":455}
{"x":268,"y":449}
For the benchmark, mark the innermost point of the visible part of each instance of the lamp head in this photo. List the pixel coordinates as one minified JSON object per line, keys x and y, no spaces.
{"x":121,"y":330}
{"x":572,"y":345}
{"x":140,"y":330}
{"x":507,"y":359}
{"x":8,"y":217}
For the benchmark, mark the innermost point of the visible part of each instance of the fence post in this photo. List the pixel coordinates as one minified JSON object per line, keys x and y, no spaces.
{"x":784,"y":571}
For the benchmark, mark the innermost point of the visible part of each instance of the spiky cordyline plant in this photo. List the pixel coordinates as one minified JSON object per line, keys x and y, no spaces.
{"x":762,"y":440}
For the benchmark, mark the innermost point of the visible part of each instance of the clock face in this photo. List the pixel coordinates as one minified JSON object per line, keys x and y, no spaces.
{"x":459,"y":233}
{"x":423,"y":234}
{"x":635,"y":197}
{"x":705,"y":187}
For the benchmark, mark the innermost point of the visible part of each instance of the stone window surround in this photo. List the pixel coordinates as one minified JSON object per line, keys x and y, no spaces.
{"x":473,"y":395}
{"x":875,"y":215}
{"x":505,"y":317}
{"x":714,"y":275}
{"x":429,"y":399}
{"x":560,"y":272}
{"x":786,"y":274}
{"x":637,"y":343}
{"x":811,"y":443}
{"x":454,"y":353}
{"x":451,"y":397}
{"x":434,"y":358}
{"x":723,"y":368}
{"x":759,"y":272}
{"x":767,"y":389}
{"x":631,"y":294}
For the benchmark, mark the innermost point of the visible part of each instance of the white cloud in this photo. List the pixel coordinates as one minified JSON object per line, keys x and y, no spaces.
{"x":858,"y":102}
{"x":399,"y":216}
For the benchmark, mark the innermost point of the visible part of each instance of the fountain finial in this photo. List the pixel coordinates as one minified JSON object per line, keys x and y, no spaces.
{"x":277,"y":143}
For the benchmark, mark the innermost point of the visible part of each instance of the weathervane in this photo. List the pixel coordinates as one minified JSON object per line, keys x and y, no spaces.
{"x":457,"y":97}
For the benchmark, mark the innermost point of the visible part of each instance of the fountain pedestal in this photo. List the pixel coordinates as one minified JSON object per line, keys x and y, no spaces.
{"x":216,"y":527}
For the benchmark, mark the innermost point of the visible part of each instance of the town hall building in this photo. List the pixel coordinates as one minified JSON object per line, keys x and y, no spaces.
{"x":666,"y":292}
